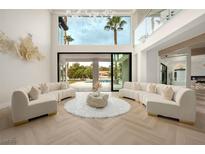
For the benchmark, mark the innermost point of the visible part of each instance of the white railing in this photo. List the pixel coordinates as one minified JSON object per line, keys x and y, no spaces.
{"x":152,"y":22}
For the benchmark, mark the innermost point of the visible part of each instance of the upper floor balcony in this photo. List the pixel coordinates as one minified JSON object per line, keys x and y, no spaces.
{"x":152,"y":22}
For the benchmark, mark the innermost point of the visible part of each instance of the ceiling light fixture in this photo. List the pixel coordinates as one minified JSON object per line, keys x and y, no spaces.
{"x":90,"y":13}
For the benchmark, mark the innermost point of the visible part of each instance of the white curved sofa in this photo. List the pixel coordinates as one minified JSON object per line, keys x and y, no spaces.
{"x":182,"y":106}
{"x":23,"y":109}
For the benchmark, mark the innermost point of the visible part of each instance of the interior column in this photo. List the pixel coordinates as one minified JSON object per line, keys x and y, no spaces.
{"x":95,"y":71}
{"x":188,"y":68}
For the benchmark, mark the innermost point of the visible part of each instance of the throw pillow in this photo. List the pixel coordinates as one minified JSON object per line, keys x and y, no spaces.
{"x":128,"y":85}
{"x":64,"y":85}
{"x":151,"y":88}
{"x":136,"y":86}
{"x":168,"y":93}
{"x":44,"y":88}
{"x":34,"y":93}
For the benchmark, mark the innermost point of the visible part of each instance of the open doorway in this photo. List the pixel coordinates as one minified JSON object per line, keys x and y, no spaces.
{"x":173,"y":70}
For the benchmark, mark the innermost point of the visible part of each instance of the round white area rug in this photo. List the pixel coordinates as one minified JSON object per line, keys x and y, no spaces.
{"x":78,"y":106}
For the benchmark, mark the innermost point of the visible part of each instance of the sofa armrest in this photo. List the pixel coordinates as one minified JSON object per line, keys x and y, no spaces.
{"x":187,"y":101}
{"x":19,"y":104}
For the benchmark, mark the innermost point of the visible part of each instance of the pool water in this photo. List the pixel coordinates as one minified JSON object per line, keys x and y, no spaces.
{"x":103,"y":81}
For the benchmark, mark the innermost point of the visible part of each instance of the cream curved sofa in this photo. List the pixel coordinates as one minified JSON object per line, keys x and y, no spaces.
{"x":182,"y":106}
{"x":23,"y":109}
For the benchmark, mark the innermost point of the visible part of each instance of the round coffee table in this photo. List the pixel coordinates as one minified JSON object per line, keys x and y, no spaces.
{"x":97,"y":101}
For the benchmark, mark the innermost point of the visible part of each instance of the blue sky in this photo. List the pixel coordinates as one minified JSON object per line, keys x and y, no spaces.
{"x":90,"y":31}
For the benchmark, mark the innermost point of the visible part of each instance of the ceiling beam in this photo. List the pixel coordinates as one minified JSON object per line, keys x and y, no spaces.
{"x":185,"y":44}
{"x":198,"y":51}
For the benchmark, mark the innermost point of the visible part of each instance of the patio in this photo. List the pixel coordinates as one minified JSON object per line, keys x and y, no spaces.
{"x":87,"y":86}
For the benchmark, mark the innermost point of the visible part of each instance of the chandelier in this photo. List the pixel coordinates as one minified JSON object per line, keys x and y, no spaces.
{"x":90,"y":13}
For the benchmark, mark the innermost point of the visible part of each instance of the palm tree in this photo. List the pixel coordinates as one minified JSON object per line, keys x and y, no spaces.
{"x":68,"y":38}
{"x":64,"y":25}
{"x":115,"y":24}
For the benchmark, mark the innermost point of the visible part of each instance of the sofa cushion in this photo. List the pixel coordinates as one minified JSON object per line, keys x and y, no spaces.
{"x":64,"y":85}
{"x":54,"y":86}
{"x":163,"y":107}
{"x":34,"y":93}
{"x":43,"y":98}
{"x":129,"y":93}
{"x":175,"y":89}
{"x":143,"y":86}
{"x":55,"y":94}
{"x":141,"y":95}
{"x":151,"y":97}
{"x":151,"y":88}
{"x":128,"y":85}
{"x":65,"y":93}
{"x":168,"y":93}
{"x":160,"y":88}
{"x":44,"y":88}
{"x":44,"y":105}
{"x":136,"y":86}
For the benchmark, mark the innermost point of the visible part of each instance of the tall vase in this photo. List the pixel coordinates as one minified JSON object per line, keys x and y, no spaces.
{"x":98,"y":92}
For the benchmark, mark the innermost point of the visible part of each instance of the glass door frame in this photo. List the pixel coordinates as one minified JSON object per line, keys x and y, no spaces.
{"x":110,"y":53}
{"x":112,"y":70}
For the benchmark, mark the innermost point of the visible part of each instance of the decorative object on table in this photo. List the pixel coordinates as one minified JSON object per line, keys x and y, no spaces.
{"x":25,"y":48}
{"x":96,"y":89}
{"x":97,"y":102}
{"x":79,"y":107}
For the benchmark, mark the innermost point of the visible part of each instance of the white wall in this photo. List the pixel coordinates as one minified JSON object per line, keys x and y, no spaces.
{"x":134,"y":67}
{"x":186,"y":25}
{"x":198,"y":65}
{"x":153,"y":66}
{"x":148,"y":66}
{"x":142,"y":66}
{"x":15,"y":72}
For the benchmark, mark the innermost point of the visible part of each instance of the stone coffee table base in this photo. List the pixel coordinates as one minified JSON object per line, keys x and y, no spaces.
{"x":97,"y":101}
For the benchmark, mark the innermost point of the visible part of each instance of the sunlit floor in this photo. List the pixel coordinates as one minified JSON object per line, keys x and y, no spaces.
{"x":83,"y":86}
{"x":134,"y":127}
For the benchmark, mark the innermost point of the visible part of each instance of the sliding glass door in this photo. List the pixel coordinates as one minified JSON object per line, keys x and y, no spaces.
{"x":83,"y":70}
{"x":104,"y":71}
{"x":121,"y":70}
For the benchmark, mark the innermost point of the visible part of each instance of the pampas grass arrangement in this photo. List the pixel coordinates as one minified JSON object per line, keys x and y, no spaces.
{"x":25,"y":49}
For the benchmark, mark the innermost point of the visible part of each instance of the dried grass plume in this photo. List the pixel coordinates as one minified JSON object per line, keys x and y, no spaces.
{"x":25,"y":49}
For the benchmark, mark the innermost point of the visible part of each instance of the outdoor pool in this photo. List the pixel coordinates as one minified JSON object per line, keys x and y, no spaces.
{"x":103,"y":81}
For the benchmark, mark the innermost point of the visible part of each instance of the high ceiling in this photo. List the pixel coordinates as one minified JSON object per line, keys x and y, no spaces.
{"x":98,"y":11}
{"x":137,"y":14}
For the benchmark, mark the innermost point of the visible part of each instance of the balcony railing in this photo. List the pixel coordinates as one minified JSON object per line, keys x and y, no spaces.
{"x":153,"y":21}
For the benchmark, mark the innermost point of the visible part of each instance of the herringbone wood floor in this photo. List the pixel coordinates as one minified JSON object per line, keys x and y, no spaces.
{"x":134,"y":127}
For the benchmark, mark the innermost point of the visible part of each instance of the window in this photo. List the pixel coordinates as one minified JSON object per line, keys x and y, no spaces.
{"x":83,"y":30}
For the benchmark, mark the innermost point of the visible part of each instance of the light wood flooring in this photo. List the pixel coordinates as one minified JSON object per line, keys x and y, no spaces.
{"x":134,"y":127}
